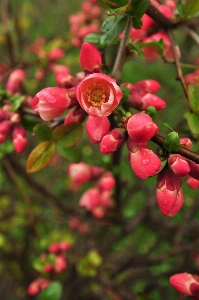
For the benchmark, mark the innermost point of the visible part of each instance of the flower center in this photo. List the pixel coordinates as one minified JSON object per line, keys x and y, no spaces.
{"x":96,"y":94}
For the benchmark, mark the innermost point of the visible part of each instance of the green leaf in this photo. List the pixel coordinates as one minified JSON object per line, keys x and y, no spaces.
{"x":52,"y":292}
{"x":137,"y":23}
{"x":137,"y":49}
{"x":193,"y":93}
{"x":117,"y":11}
{"x":72,"y":154}
{"x":190,"y":8}
{"x":43,"y":132}
{"x":193,"y":123}
{"x":92,"y":38}
{"x":69,"y":135}
{"x":172,"y":142}
{"x":16,"y":101}
{"x":159,"y":45}
{"x":3,"y":93}
{"x":28,"y":122}
{"x":112,"y":27}
{"x":40,"y":157}
{"x":139,"y":7}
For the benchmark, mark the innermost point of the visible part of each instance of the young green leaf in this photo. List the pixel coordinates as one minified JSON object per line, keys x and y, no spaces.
{"x":112,"y":27}
{"x":191,"y":8}
{"x":92,"y":38}
{"x":52,"y":291}
{"x":72,"y":154}
{"x":40,"y":157}
{"x":139,"y":7}
{"x":172,"y":142}
{"x":16,"y":101}
{"x":193,"y":93}
{"x":43,"y":132}
{"x":68,"y":135}
{"x":193,"y":123}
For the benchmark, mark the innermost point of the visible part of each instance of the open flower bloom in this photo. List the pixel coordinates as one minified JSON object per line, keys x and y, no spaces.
{"x":98,"y":94}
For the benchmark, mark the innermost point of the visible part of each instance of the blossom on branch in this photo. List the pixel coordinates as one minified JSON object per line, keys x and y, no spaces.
{"x":98,"y":94}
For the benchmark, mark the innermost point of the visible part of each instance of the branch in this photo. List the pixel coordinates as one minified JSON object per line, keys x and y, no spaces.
{"x":120,"y":59}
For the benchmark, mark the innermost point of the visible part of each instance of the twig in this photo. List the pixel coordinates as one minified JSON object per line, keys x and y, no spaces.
{"x":120,"y":59}
{"x":177,"y":62}
{"x":192,"y":34}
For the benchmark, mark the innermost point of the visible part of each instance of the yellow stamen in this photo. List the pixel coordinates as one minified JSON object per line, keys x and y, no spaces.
{"x":96,"y":94}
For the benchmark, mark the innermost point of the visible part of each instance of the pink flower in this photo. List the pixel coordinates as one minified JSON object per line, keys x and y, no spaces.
{"x":178,"y":165}
{"x":141,"y":128}
{"x":168,"y":192}
{"x":144,"y":162}
{"x":51,"y":102}
{"x":19,"y":138}
{"x":79,"y":172}
{"x":186,"y":284}
{"x":98,"y":94}
{"x":97,"y":127}
{"x":90,"y":59}
{"x":112,"y":141}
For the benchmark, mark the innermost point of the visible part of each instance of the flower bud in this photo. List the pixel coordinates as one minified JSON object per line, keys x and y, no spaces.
{"x":64,"y":80}
{"x":3,"y":115}
{"x":148,"y":85}
{"x":90,"y":59}
{"x":112,"y":141}
{"x":186,"y":142}
{"x":141,"y":100}
{"x":106,"y":182}
{"x":55,"y":54}
{"x":141,"y":128}
{"x":97,"y":127}
{"x":168,"y":192}
{"x":144,"y":162}
{"x":186,"y":284}
{"x":60,"y":264}
{"x":194,"y":169}
{"x":51,"y":102}
{"x":192,"y":182}
{"x":19,"y":138}
{"x":90,"y":198}
{"x":5,"y":129}
{"x":79,"y":172}
{"x":15,"y":80}
{"x":178,"y":165}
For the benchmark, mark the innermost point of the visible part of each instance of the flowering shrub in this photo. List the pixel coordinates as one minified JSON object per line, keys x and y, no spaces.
{"x":99,"y":150}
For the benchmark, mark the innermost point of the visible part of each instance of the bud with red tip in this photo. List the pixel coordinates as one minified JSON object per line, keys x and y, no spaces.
{"x":112,"y":141}
{"x":141,"y":128}
{"x":186,"y":142}
{"x":178,"y":165}
{"x":5,"y":129}
{"x":144,"y":161}
{"x":169,"y":193}
{"x":15,"y":80}
{"x":19,"y":138}
{"x":186,"y":284}
{"x":90,"y":59}
{"x":97,"y":128}
{"x":148,"y":85}
{"x":74,"y":115}
{"x":51,"y":102}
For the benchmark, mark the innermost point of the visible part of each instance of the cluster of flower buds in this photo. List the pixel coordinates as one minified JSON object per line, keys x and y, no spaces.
{"x":84,"y":22}
{"x":97,"y":199}
{"x":142,"y":95}
{"x":10,"y":124}
{"x":54,"y":262}
{"x":186,"y":284}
